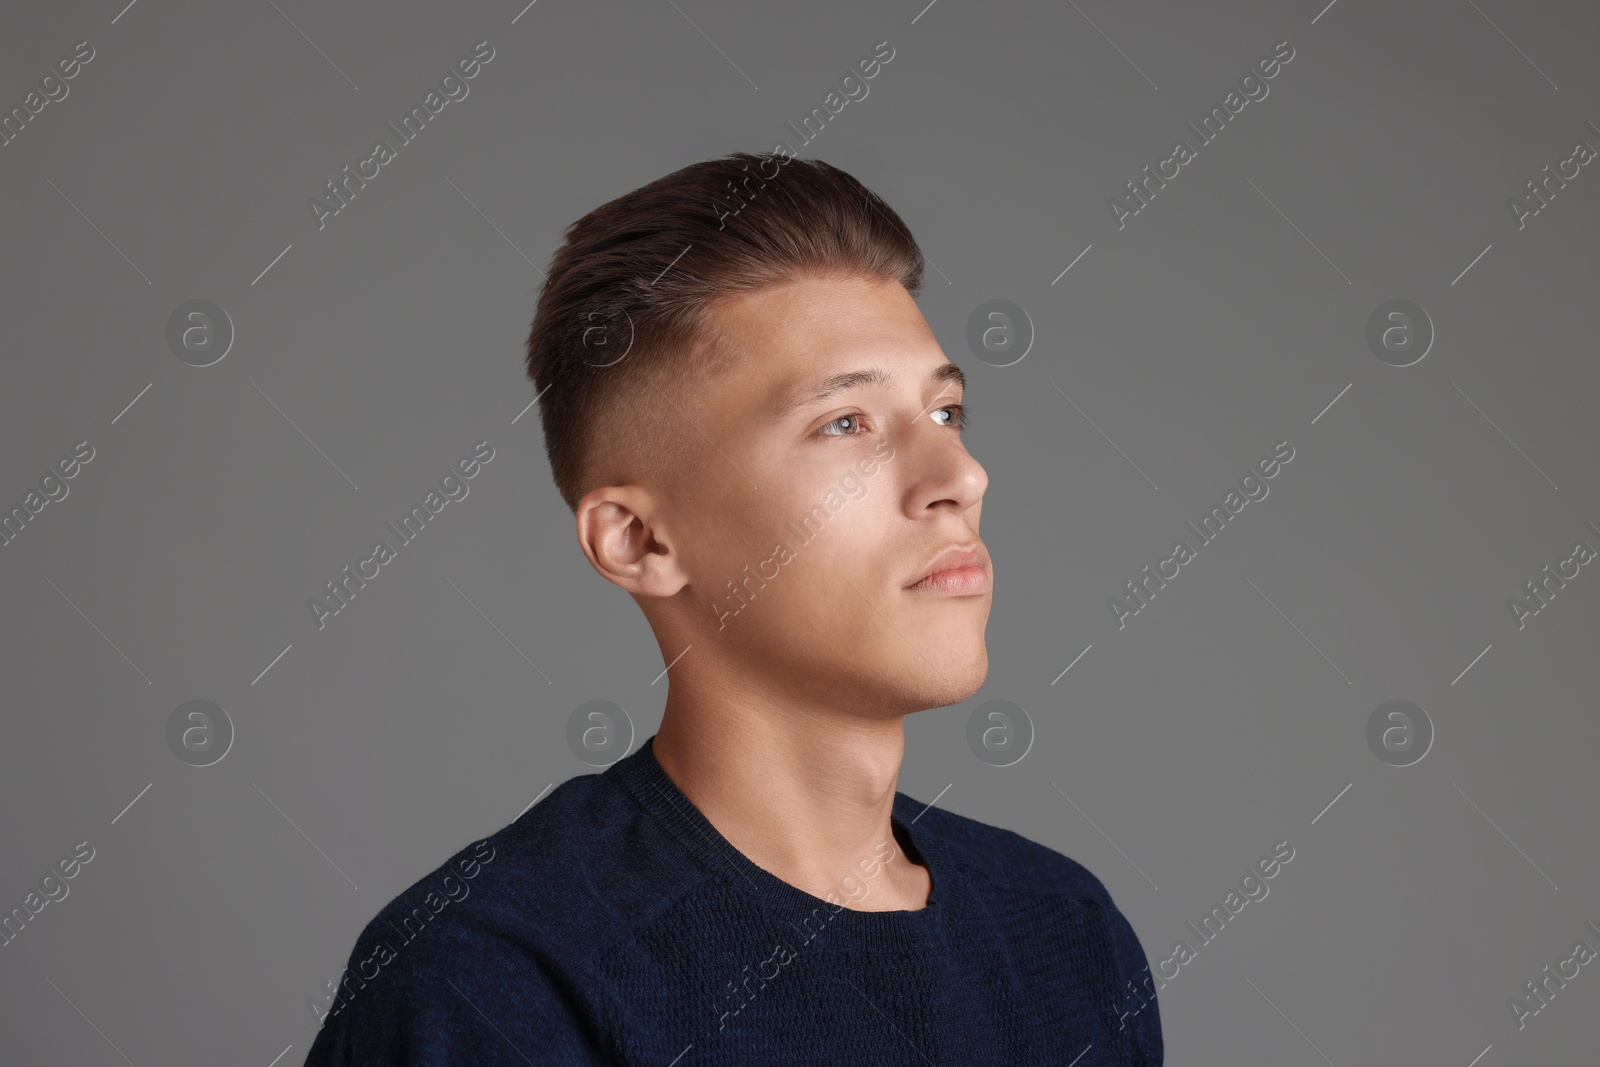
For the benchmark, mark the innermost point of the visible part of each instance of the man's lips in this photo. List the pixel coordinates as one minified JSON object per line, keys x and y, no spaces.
{"x":961,"y":570}
{"x":957,"y":581}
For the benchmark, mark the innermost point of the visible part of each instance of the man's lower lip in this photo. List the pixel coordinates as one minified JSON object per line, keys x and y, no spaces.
{"x":960,"y":580}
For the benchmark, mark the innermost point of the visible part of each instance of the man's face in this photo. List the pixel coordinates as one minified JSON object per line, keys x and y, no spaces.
{"x":822,"y":511}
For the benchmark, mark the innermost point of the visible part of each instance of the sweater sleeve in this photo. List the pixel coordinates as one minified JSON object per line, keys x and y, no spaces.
{"x":1138,"y":1008}
{"x":454,"y":998}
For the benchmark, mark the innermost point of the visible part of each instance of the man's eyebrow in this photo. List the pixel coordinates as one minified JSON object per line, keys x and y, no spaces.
{"x":832,"y":386}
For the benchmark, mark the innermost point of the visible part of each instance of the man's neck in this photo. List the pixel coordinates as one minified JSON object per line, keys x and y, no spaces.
{"x":804,"y":796}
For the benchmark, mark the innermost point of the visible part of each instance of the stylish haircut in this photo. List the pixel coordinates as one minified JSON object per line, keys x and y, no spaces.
{"x":624,"y":309}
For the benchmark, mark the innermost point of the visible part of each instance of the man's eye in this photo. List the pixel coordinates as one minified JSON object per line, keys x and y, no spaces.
{"x":853,"y":420}
{"x":851,"y":425}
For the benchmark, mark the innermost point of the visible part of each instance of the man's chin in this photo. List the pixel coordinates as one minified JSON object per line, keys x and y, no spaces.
{"x":952,"y":672}
{"x":924,"y":682}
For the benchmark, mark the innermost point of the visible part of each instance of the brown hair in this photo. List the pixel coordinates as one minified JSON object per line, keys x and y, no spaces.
{"x":625,"y":303}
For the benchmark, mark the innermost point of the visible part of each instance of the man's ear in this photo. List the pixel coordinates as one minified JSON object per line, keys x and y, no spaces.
{"x":619,"y":530}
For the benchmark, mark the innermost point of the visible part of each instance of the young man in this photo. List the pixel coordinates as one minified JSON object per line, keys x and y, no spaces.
{"x":760,"y":440}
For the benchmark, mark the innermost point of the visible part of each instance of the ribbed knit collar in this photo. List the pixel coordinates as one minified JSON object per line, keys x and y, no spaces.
{"x":645,"y":779}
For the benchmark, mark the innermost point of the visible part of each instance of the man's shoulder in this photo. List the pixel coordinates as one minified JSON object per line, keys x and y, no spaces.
{"x":489,"y":956}
{"x":508,"y":929}
{"x":1007,"y":859}
{"x":568,"y":877}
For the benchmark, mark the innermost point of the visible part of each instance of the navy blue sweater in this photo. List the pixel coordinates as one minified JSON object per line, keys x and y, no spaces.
{"x":612,"y":924}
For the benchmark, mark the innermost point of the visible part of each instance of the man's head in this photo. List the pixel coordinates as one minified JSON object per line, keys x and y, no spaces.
{"x":760,"y":436}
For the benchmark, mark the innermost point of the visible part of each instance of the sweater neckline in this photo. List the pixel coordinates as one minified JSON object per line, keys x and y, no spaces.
{"x":642,"y":775}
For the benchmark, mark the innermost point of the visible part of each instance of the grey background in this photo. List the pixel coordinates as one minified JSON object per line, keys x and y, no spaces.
{"x":1225,"y":317}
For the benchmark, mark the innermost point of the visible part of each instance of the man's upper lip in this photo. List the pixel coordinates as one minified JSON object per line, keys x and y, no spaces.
{"x":970,"y":554}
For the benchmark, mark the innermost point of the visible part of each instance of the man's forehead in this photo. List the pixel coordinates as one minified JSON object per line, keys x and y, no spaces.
{"x":793,"y":343}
